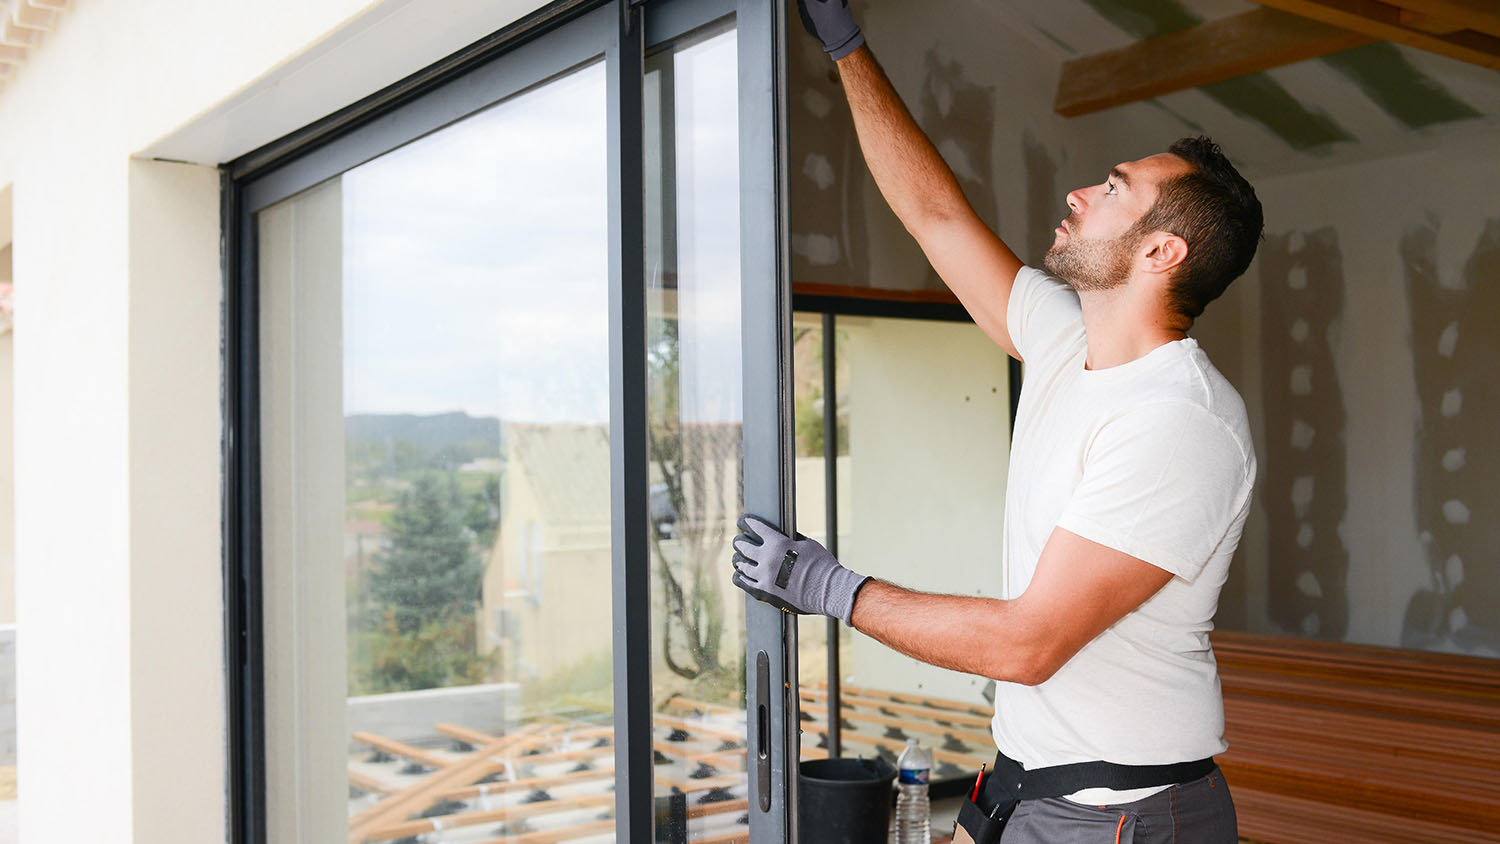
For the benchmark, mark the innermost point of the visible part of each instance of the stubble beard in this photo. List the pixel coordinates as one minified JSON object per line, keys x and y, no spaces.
{"x":1092,"y":264}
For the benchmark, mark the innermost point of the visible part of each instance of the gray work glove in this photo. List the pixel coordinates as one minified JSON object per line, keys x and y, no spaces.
{"x":796,"y":575}
{"x":830,"y":22}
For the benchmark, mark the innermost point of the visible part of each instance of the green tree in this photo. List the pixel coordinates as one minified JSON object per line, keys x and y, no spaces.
{"x":483,"y":513}
{"x":440,"y":653}
{"x":431,"y":571}
{"x":807,"y":393}
{"x":418,"y":629}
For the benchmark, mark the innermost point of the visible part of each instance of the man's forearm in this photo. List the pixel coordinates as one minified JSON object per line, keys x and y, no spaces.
{"x":911,"y":175}
{"x":983,"y":636}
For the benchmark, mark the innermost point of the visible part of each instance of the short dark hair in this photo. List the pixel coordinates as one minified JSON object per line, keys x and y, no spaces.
{"x":1215,"y":210}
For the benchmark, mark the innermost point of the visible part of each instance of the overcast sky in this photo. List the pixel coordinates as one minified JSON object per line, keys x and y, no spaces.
{"x":475,"y":265}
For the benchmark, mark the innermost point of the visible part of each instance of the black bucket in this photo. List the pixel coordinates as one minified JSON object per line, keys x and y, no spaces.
{"x":844,"y":801}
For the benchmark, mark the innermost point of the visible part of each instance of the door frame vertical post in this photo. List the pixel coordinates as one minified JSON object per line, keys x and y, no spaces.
{"x":765,"y":284}
{"x":628,"y":477}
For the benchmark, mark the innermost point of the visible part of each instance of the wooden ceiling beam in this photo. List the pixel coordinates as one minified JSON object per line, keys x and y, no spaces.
{"x":1212,"y":52}
{"x":1478,"y":15}
{"x":1430,"y":24}
{"x":1383,"y":21}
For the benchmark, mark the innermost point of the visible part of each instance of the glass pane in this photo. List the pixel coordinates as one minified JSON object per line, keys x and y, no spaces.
{"x":435,"y":385}
{"x":694,"y":396}
{"x":809,"y":408}
{"x":922,"y":456}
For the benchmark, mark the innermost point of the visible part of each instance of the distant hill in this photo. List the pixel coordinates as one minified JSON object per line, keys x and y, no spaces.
{"x":435,"y":430}
{"x":456,"y":437}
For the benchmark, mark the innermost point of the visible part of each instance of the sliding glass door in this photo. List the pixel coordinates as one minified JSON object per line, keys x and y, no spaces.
{"x":434,"y":410}
{"x":509,"y":359}
{"x":695,"y":433}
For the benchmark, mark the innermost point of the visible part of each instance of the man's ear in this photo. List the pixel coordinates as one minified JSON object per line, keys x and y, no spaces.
{"x":1161,"y":252}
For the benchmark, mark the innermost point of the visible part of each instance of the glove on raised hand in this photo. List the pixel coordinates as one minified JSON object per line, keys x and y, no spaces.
{"x":830,"y":22}
{"x":796,"y":575}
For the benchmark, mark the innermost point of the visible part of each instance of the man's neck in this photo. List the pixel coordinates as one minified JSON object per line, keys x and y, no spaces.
{"x":1120,"y":328}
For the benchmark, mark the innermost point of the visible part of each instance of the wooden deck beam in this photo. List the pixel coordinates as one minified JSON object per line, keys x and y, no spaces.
{"x":906,"y":724}
{"x":927,"y":702}
{"x":952,"y":716}
{"x":402,"y":749}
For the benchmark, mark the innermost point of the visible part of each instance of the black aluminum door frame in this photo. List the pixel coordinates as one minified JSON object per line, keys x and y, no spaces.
{"x":773,"y":740}
{"x":766,"y":326}
{"x":541,"y":46}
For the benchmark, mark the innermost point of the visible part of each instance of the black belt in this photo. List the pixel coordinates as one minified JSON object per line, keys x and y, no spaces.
{"x":1008,"y":784}
{"x":1009,"y":781}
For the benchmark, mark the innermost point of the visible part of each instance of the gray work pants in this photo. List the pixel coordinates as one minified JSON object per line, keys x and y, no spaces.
{"x":1196,"y":812}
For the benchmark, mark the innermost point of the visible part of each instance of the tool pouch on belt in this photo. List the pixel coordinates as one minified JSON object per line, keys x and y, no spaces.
{"x":978,"y":823}
{"x":1008,"y":784}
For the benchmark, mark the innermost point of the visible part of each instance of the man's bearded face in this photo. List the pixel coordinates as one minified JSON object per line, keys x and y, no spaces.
{"x":1089,"y":263}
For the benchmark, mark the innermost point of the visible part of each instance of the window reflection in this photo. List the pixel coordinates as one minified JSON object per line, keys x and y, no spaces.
{"x":694,"y":448}
{"x":435,"y":389}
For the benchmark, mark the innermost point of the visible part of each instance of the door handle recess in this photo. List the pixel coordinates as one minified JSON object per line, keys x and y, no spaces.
{"x":763,"y":730}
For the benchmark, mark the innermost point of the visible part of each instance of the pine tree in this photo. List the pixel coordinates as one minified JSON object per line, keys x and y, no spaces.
{"x":417,"y":629}
{"x":431,"y":573}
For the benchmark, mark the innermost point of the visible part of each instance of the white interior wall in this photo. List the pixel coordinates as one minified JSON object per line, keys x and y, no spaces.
{"x":929,"y":404}
{"x":1394,"y":537}
{"x":117,"y":375}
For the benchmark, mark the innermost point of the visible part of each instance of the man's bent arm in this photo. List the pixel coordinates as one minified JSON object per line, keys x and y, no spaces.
{"x":920,"y":187}
{"x":1079,"y":590}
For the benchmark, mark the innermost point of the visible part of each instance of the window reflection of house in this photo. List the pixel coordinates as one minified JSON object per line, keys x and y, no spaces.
{"x":555,"y":517}
{"x":555,"y":532}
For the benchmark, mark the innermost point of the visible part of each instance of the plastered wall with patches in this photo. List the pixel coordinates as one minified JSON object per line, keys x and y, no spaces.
{"x":1365,"y":340}
{"x":979,"y":75}
{"x":982,"y":92}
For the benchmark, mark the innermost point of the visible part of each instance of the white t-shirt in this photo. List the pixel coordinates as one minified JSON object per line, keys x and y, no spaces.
{"x":1153,"y":458}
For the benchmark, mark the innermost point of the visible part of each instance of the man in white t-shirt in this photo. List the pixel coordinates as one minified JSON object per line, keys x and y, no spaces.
{"x":1130,"y":479}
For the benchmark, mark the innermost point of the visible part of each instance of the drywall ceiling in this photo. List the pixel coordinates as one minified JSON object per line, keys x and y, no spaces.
{"x":1370,"y":101}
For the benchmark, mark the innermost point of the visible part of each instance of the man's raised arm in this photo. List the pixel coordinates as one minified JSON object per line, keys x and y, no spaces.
{"x":915,"y":181}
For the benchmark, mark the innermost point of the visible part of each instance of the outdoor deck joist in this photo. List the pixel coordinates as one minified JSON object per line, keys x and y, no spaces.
{"x":487,"y":778}
{"x":938,"y":715}
{"x":906,"y":724}
{"x":457,"y":779}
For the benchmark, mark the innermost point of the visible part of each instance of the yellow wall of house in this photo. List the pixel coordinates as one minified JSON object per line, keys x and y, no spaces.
{"x":7,"y":434}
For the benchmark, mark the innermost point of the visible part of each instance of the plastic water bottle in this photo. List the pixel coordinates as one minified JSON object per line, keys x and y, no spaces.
{"x":913,"y":809}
